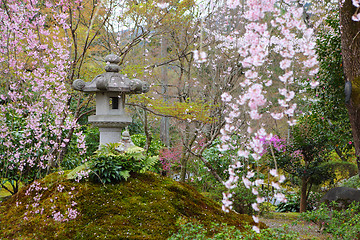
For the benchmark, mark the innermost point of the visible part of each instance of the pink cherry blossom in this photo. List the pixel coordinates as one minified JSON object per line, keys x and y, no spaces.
{"x":162,"y":5}
{"x":256,"y":229}
{"x":243,"y":153}
{"x":274,"y":173}
{"x":246,"y":182}
{"x":275,"y":185}
{"x":250,"y":174}
{"x":314,"y":84}
{"x":268,"y":83}
{"x":282,"y":179}
{"x":233,"y":3}
{"x":226,"y":97}
{"x":284,"y":64}
{"x":292,"y":41}
{"x":277,"y":116}
{"x":280,"y":197}
{"x":255,"y":206}
{"x":259,"y":182}
{"x":356,"y":3}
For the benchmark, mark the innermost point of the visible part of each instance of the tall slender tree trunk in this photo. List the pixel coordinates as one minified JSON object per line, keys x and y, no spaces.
{"x":350,"y":50}
{"x":147,"y":132}
{"x":185,"y":155}
{"x":183,"y":163}
{"x":164,"y":125}
{"x":303,"y":196}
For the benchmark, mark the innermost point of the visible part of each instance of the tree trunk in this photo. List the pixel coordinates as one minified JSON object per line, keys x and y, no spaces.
{"x":303,"y":196}
{"x":147,"y":132}
{"x":164,"y":124}
{"x":350,"y":50}
{"x":183,"y":169}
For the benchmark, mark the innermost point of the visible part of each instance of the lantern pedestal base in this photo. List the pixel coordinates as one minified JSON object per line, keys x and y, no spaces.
{"x":109,"y":135}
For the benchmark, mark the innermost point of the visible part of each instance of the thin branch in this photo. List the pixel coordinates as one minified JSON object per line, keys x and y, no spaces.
{"x":158,"y":114}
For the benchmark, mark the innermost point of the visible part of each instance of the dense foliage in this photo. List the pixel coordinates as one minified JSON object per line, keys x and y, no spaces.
{"x":329,"y":97}
{"x":111,"y":166}
{"x":196,"y":231}
{"x":340,"y":223}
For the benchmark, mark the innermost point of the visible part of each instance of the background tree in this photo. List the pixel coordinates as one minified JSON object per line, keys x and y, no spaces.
{"x":350,"y":50}
{"x":194,"y":87}
{"x":329,"y":97}
{"x":305,"y":157}
{"x":45,"y":46}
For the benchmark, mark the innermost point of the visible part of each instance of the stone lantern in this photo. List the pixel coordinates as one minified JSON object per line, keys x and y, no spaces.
{"x":110,"y":89}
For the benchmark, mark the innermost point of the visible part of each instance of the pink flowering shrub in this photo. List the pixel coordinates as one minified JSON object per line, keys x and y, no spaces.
{"x":34,"y":113}
{"x":274,"y":142}
{"x":170,"y":157}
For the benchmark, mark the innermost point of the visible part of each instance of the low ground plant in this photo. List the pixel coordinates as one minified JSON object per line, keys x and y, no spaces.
{"x":353,"y":182}
{"x":340,"y":223}
{"x":193,"y":231}
{"x":111,"y":166}
{"x":291,"y":205}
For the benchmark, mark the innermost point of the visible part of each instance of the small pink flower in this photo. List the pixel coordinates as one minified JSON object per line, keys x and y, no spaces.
{"x":356,"y":17}
{"x":274,"y":173}
{"x":255,"y":206}
{"x":256,"y":229}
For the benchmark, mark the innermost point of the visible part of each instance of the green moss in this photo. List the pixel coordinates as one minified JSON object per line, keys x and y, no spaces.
{"x":147,"y":206}
{"x":355,"y":94}
{"x":285,"y":215}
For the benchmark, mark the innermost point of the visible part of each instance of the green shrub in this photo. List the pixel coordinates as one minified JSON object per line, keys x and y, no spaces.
{"x":72,"y":158}
{"x":291,"y":205}
{"x":267,"y":208}
{"x":242,"y":200}
{"x":195,"y":231}
{"x":352,"y":182}
{"x":342,"y":224}
{"x":293,"y":202}
{"x":314,"y":200}
{"x":155,"y":145}
{"x":109,"y":169}
{"x":110,"y":166}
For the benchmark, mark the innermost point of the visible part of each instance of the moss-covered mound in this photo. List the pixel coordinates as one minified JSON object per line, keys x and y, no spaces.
{"x":147,"y":206}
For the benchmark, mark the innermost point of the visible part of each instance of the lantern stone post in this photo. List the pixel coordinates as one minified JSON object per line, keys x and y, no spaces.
{"x":110,"y":89}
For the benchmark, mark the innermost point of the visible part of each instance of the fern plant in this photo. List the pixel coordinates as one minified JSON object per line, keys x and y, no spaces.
{"x":149,"y":163}
{"x":107,"y":169}
{"x":109,"y":148}
{"x":110,"y":166}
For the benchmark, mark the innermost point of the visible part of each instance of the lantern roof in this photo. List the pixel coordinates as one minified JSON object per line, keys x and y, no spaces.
{"x":112,"y":80}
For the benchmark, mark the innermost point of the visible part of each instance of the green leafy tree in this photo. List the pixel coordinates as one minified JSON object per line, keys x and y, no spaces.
{"x":330,"y":97}
{"x":306,"y":156}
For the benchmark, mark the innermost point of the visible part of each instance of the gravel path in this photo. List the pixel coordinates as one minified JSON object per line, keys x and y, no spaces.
{"x":305,"y":230}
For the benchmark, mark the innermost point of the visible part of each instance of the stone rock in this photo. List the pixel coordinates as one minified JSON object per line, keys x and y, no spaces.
{"x":342,"y":195}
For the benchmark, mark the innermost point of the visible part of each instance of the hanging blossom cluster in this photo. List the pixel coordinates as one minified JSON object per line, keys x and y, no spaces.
{"x":199,"y":56}
{"x":356,"y":16}
{"x":287,"y":37}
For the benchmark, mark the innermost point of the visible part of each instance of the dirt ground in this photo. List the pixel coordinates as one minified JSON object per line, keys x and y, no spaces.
{"x":305,"y":230}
